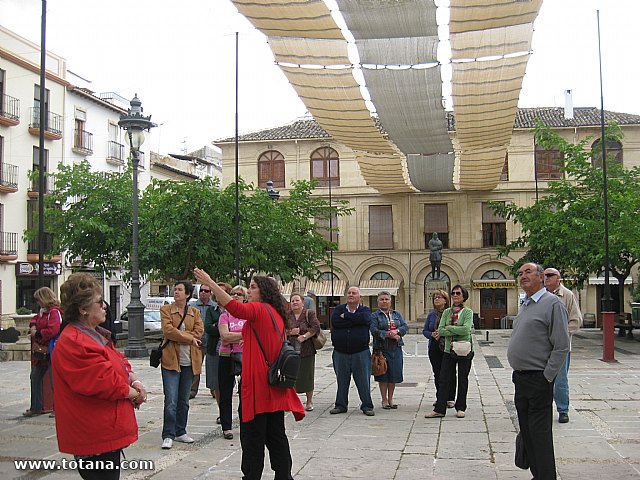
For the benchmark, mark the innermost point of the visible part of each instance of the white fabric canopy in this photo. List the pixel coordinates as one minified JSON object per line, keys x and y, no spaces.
{"x":431,"y":173}
{"x":468,"y":15}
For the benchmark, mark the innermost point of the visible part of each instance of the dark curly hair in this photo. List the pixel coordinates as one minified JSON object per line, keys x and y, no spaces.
{"x":77,"y":292}
{"x":270,"y":293}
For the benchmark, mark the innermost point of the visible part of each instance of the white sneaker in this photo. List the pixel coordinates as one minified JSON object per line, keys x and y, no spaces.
{"x":184,"y":439}
{"x":167,"y":443}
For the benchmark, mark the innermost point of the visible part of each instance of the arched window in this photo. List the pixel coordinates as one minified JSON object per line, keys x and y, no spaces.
{"x":381,"y":276}
{"x":325,"y":166}
{"x":443,"y":278}
{"x":271,"y":167}
{"x":326,"y":276}
{"x":493,"y":275}
{"x":613,"y":151}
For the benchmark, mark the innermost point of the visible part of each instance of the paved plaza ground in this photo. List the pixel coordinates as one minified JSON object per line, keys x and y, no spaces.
{"x":602,"y":439}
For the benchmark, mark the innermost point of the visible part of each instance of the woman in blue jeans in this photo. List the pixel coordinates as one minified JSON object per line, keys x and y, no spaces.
{"x":182,"y":328}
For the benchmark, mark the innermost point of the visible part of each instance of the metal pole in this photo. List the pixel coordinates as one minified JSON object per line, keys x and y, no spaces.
{"x":237,"y":213}
{"x":331,"y":240}
{"x":607,"y":300}
{"x":41,"y":151}
{"x":136,"y":346}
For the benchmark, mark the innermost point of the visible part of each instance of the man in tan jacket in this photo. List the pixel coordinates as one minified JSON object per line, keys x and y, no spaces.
{"x":561,"y":388}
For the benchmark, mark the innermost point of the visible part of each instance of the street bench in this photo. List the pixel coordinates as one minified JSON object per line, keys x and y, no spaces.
{"x":625,"y":325}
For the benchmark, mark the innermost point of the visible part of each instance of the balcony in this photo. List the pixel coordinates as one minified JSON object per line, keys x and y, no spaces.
{"x":53,"y":124}
{"x":33,"y":252}
{"x":8,"y":178}
{"x":82,"y":142}
{"x":8,"y":246}
{"x":115,"y":153}
{"x":9,"y":111}
{"x":34,"y":187}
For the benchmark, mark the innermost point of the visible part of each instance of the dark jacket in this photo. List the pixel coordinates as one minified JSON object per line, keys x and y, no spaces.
{"x":211,"y":329}
{"x":350,"y":333}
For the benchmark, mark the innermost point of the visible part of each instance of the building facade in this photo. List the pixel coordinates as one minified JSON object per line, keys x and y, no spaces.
{"x":384,"y":243}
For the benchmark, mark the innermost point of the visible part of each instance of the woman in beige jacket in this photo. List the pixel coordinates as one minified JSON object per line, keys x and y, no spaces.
{"x":181,"y":359}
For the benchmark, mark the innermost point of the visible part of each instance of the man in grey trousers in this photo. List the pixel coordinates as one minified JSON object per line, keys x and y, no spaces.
{"x":537,"y":350}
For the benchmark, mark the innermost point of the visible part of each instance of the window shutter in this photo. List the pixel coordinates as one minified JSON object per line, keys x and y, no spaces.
{"x":436,"y":218}
{"x":380,"y":227}
{"x":489,"y":217}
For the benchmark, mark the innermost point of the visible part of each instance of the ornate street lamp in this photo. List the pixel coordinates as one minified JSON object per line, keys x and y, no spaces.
{"x":134,"y":124}
{"x":273,"y":194}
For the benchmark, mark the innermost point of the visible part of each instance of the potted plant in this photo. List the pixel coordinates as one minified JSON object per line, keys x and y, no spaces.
{"x":22,"y":317}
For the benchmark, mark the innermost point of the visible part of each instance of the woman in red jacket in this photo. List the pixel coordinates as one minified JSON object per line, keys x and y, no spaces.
{"x":44,"y":326}
{"x":262,"y":406}
{"x":95,"y":390}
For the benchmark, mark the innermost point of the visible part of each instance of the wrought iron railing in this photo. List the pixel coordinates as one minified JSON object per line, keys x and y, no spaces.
{"x":8,"y":243}
{"x":115,"y":151}
{"x":9,"y":175}
{"x":83,"y":140}
{"x":53,"y":121}
{"x":10,"y":107}
{"x":49,"y":182}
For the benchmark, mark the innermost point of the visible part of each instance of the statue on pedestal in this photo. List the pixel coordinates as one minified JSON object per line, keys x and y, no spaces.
{"x":435,"y":256}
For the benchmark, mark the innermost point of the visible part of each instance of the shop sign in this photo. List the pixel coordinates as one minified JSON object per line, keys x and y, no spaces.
{"x":493,"y":284}
{"x":31,"y":269}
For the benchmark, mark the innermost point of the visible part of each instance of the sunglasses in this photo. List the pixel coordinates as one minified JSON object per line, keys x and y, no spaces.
{"x":205,"y":291}
{"x":456,"y":293}
{"x":237,"y":294}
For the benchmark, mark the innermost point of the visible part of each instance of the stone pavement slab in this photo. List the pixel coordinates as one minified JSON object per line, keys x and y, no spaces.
{"x":601,"y":440}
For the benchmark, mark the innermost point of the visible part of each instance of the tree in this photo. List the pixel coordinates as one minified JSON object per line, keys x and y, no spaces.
{"x":565,"y":228}
{"x":89,"y":215}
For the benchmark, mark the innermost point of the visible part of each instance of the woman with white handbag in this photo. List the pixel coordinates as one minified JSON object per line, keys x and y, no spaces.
{"x":456,"y":325}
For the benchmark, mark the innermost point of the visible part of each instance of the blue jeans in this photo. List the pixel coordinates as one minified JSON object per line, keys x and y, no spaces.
{"x":176,"y":387}
{"x":359,"y":365}
{"x":561,"y":389}
{"x":37,"y":376}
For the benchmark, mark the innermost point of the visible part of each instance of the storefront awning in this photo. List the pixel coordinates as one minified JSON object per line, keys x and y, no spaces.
{"x":612,"y":281}
{"x":493,"y":284}
{"x":371,"y":288}
{"x":323,"y":288}
{"x":286,"y":289}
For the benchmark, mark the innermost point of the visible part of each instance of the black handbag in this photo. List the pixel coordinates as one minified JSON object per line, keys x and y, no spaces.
{"x":236,"y":363}
{"x":155,"y":356}
{"x":521,"y":459}
{"x":283,"y":371}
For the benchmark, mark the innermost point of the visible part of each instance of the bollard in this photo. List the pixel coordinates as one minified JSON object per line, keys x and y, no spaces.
{"x":608,"y":334}
{"x":487,"y":335}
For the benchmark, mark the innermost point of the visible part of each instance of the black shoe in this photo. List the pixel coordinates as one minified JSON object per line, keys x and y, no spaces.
{"x":337,"y":410}
{"x":369,"y":413}
{"x":563,"y":417}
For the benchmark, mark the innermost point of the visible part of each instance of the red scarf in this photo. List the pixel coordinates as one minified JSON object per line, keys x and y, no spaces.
{"x":456,"y":310}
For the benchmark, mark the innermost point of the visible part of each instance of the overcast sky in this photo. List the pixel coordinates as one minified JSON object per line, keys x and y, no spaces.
{"x":180,"y":59}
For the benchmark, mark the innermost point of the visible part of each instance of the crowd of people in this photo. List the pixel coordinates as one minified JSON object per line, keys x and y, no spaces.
{"x":241,"y":330}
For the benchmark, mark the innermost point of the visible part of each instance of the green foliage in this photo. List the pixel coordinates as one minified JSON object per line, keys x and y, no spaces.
{"x":187,"y":224}
{"x":565,"y":228}
{"x":23,"y":311}
{"x":89,"y":214}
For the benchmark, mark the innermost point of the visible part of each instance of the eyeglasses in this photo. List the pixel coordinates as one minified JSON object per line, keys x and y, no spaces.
{"x":550,"y":274}
{"x":205,"y":291}
{"x":435,"y":297}
{"x":456,"y":293}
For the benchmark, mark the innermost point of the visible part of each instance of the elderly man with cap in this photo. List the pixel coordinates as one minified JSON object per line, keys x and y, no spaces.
{"x":561,"y":386}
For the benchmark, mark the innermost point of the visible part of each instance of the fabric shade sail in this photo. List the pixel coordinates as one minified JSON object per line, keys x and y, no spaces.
{"x":432,"y":173}
{"x":485,"y":91}
{"x":323,"y":288}
{"x":387,"y":172}
{"x":371,"y":288}
{"x":290,"y":18}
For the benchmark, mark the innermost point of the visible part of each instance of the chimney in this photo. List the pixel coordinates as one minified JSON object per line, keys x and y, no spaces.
{"x":568,"y":105}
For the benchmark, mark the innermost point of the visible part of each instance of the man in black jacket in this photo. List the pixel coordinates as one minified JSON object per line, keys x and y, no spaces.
{"x":351,"y":355}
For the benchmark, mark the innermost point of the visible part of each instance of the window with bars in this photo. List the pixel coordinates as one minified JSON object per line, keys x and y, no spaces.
{"x":436,"y":220}
{"x":380,"y":227}
{"x":494,"y":228}
{"x":325,"y":166}
{"x":549,"y":164}
{"x":271,"y":167}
